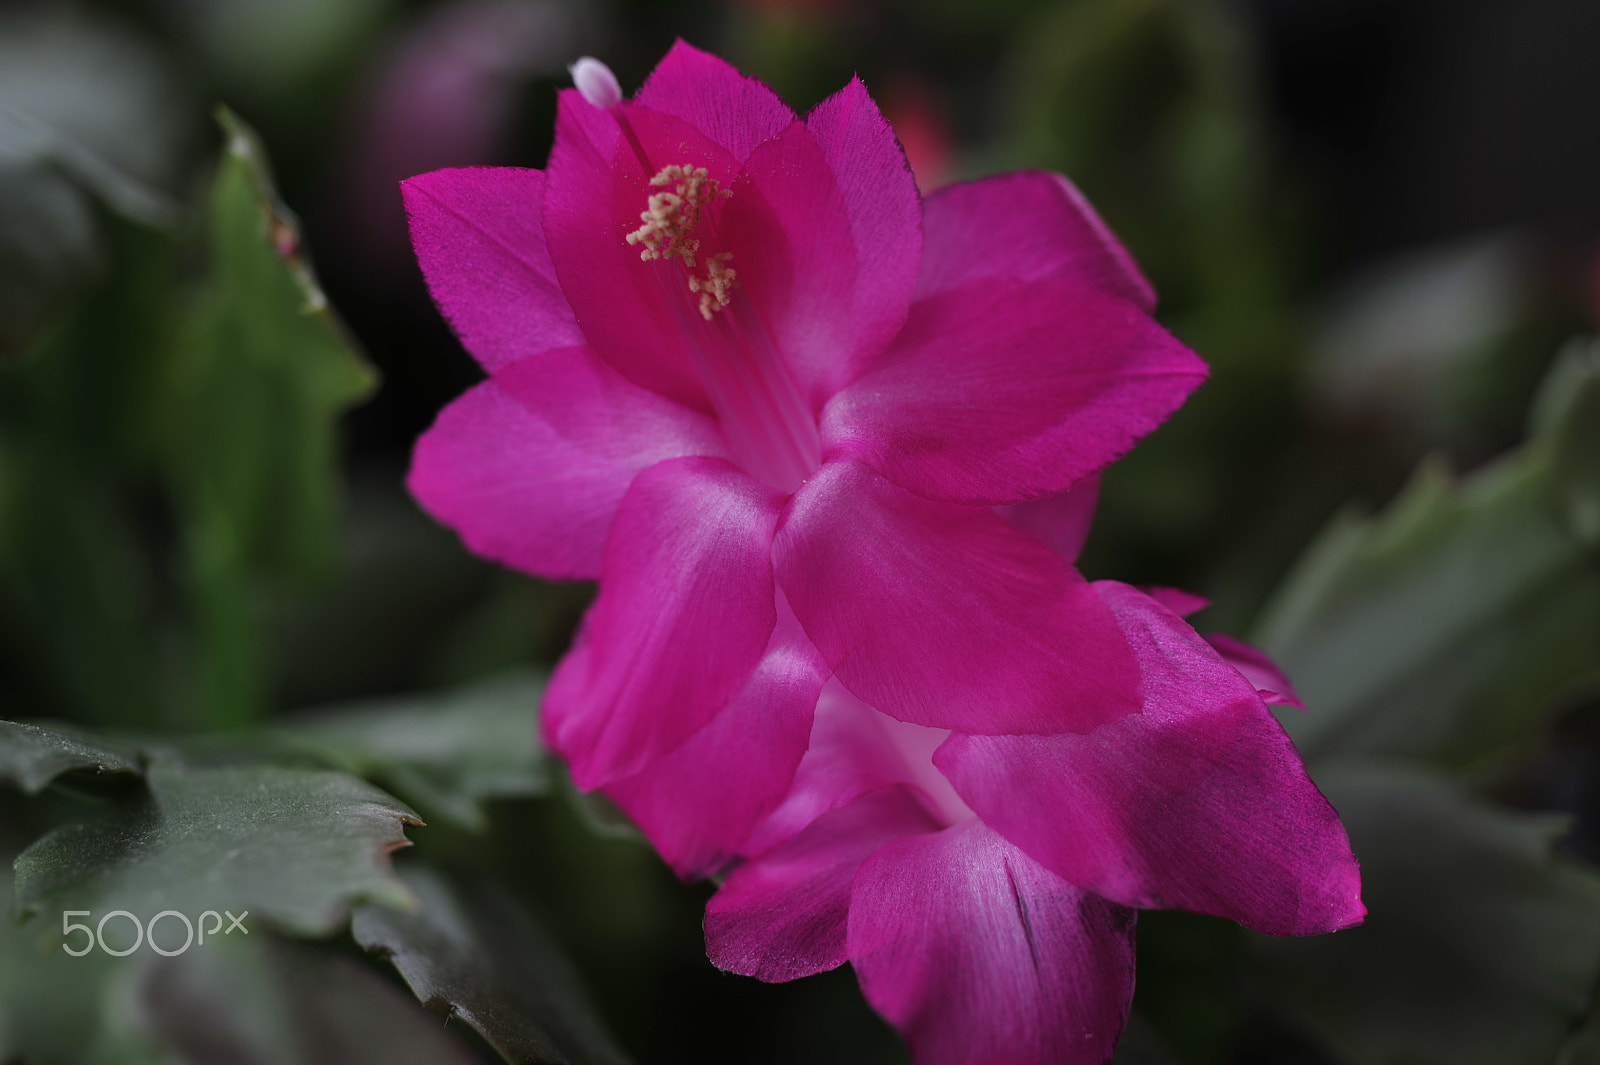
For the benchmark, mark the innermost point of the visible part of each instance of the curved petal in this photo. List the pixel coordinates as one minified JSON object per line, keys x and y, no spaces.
{"x":946,"y":616}
{"x":530,"y":466}
{"x":1002,"y":391}
{"x":1025,"y":226}
{"x":1177,"y":600}
{"x":854,"y":750}
{"x":979,"y":956}
{"x":1258,"y":668}
{"x":736,"y":112}
{"x":1199,"y":803}
{"x":639,"y":316}
{"x":684,"y":614}
{"x":564,"y":695}
{"x":784,"y":915}
{"x":479,"y":239}
{"x":700,"y":802}
{"x":880,"y":197}
{"x":827,"y":265}
{"x":1063,"y":520}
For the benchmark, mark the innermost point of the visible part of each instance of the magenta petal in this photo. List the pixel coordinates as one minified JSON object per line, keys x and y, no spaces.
{"x":564,"y":695}
{"x":946,"y":616}
{"x":684,"y":614}
{"x":980,"y":956}
{"x":530,"y":466}
{"x":734,"y":111}
{"x":1062,"y":521}
{"x":854,"y":750}
{"x":1199,"y":803}
{"x":880,"y":198}
{"x":788,"y":229}
{"x":699,"y":803}
{"x":1025,"y":226}
{"x":826,"y":249}
{"x":1177,"y":600}
{"x":1258,"y":668}
{"x":480,"y":241}
{"x":784,"y":915}
{"x":1002,"y":391}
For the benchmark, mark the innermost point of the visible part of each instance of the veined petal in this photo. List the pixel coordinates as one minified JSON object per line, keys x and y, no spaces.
{"x":1258,"y":668}
{"x":530,"y":466}
{"x":1002,"y":391}
{"x":1199,"y":803}
{"x":980,"y":956}
{"x":1026,"y":226}
{"x":784,"y":915}
{"x":479,"y":238}
{"x":1063,"y":520}
{"x":699,"y":803}
{"x":946,"y":616}
{"x":684,"y":614}
{"x":853,"y":751}
{"x":829,"y":264}
{"x":880,"y":198}
{"x":736,"y":112}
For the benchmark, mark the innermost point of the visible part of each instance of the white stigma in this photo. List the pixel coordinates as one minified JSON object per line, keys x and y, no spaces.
{"x":595,"y":82}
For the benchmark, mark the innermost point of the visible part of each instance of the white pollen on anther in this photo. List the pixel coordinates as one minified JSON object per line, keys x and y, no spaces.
{"x":670,"y":218}
{"x":720,"y":279}
{"x":595,"y":82}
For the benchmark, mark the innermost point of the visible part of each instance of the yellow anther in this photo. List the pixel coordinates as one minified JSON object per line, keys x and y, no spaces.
{"x":670,"y":218}
{"x":719,"y":281}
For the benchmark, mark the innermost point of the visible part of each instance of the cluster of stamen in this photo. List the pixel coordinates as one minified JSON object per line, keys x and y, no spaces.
{"x":670,"y":219}
{"x":714,"y":288}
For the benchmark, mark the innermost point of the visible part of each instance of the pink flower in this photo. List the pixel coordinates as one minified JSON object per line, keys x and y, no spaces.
{"x":984,"y":887}
{"x":831,"y":451}
{"x":798,"y":421}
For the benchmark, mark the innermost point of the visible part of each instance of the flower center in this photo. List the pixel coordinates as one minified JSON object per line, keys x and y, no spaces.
{"x":768,"y":424}
{"x":670,"y":219}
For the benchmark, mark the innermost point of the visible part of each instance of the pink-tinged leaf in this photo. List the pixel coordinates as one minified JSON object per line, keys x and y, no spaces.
{"x":946,"y":616}
{"x":1063,"y":520}
{"x":639,"y":316}
{"x":1258,"y":668}
{"x":1199,"y":803}
{"x":1027,"y":226}
{"x":479,"y":238}
{"x":698,"y":803}
{"x":530,"y":466}
{"x":784,"y":915}
{"x":980,"y":956}
{"x":684,"y":615}
{"x":1177,"y":600}
{"x":734,"y":111}
{"x":1003,"y":391}
{"x":855,"y":750}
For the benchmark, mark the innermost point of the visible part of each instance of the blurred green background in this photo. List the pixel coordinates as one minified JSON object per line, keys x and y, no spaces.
{"x":1378,"y":220}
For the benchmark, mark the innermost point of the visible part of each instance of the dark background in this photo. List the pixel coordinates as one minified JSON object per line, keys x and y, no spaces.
{"x":1376,"y":219}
